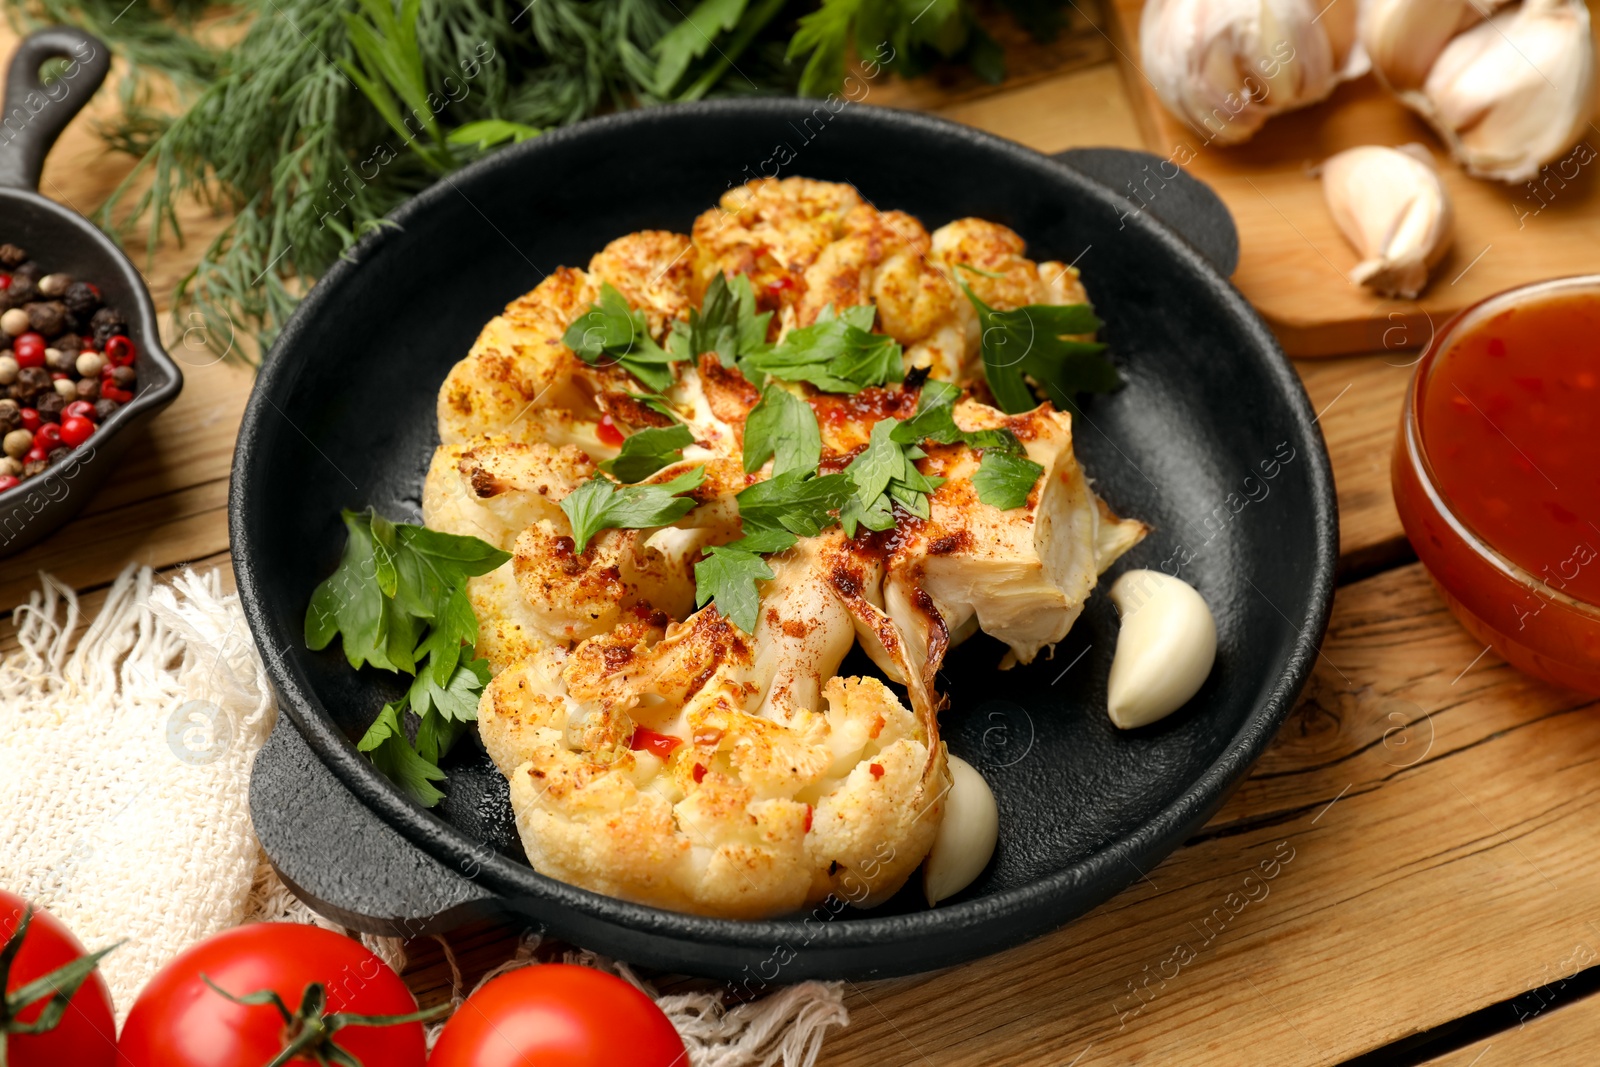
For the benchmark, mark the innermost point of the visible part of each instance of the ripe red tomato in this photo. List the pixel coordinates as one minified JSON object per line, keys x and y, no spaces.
{"x":86,"y":1036}
{"x":178,"y":1021}
{"x":558,"y":1015}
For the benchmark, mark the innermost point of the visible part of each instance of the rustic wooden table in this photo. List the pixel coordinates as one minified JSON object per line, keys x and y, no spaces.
{"x":1437,"y":875}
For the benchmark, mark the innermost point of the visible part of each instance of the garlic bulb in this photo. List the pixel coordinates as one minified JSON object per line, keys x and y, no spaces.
{"x":1508,"y":94}
{"x":1165,"y":647}
{"x":966,"y":837}
{"x":1226,"y":66}
{"x":1403,"y":38}
{"x":1394,"y":210}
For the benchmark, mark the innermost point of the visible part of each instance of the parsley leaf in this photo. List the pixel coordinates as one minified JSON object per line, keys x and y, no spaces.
{"x":657,"y":403}
{"x":729,"y":575}
{"x":793,"y":501}
{"x":1004,"y":480}
{"x":386,"y":744}
{"x":1028,"y":341}
{"x":884,"y":474}
{"x":612,"y":332}
{"x":690,"y":39}
{"x":398,"y":601}
{"x":838,"y":353}
{"x":725,"y":323}
{"x":647,"y":451}
{"x":781,"y":425}
{"x":601,"y":504}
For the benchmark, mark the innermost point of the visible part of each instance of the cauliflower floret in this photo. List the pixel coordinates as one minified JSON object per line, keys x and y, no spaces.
{"x":1021,"y":575}
{"x":783,"y":782}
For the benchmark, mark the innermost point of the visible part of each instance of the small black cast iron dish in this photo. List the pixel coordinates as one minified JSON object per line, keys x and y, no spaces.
{"x":62,"y":240}
{"x":1211,"y":441}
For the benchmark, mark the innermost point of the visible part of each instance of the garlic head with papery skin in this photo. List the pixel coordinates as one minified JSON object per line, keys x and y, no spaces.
{"x":1165,"y":647}
{"x":1226,"y":66}
{"x":966,"y":837}
{"x":1509,"y":93}
{"x":1393,"y":208}
{"x":1404,"y":38}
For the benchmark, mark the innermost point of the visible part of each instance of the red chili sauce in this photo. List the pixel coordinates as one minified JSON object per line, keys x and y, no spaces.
{"x":1510,"y":422}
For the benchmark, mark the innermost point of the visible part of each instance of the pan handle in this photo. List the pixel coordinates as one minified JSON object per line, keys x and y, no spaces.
{"x":35,"y":113}
{"x":1150,"y":183}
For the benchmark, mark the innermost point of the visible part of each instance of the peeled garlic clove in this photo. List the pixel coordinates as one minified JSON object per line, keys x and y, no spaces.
{"x":1392,"y":207}
{"x":1404,"y":38}
{"x":1513,"y":93}
{"x":1165,"y":648}
{"x":966,"y":837}
{"x":1226,"y":66}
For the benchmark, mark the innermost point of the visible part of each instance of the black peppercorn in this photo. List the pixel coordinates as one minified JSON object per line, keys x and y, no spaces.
{"x":88,"y":389}
{"x":29,"y":270}
{"x":34,"y":467}
{"x":19,"y":292}
{"x":103,"y":408}
{"x":60,"y":360}
{"x":69,"y":343}
{"x":12,"y":257}
{"x":124,"y":377}
{"x":10,"y":416}
{"x":33,"y":379}
{"x":56,"y":455}
{"x":106,"y":324}
{"x":50,"y":405}
{"x":48,"y":317}
{"x":80,"y":299}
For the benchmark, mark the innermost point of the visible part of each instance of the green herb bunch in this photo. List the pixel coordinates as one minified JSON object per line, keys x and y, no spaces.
{"x":322,"y":116}
{"x":398,"y":602}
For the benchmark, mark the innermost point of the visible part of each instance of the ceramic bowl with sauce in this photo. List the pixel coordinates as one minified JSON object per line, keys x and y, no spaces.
{"x":1497,"y":475}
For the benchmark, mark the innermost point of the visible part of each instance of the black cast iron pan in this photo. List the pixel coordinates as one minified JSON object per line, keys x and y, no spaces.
{"x":62,"y":240}
{"x":1211,"y":441}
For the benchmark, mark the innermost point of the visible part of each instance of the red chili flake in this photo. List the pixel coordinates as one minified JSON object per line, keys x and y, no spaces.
{"x":608,"y":433}
{"x":647,"y":740}
{"x":808,"y":818}
{"x":781,"y":283}
{"x":699,"y":772}
{"x":877,"y":771}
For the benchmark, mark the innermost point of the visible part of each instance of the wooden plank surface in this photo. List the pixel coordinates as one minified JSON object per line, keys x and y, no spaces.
{"x":1294,"y":264}
{"x":1424,"y":815}
{"x":1564,"y":1037}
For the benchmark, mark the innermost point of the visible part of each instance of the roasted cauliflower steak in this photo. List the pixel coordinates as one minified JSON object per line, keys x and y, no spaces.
{"x":655,"y":750}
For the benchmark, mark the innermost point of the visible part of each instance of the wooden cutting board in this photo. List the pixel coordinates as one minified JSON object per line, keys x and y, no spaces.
{"x":1294,"y":264}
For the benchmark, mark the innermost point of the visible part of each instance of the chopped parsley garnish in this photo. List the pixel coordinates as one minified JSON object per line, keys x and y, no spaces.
{"x":611,"y":332}
{"x":783,"y":428}
{"x":1004,"y":479}
{"x":725,"y":323}
{"x":1029,"y":341}
{"x":794,"y":501}
{"x":1005,"y":474}
{"x":398,"y":602}
{"x":601,"y":504}
{"x":885,"y":474}
{"x":838,"y":353}
{"x":728,"y":575}
{"x":646,"y":451}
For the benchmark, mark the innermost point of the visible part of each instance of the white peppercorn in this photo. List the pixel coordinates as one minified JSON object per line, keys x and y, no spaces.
{"x":17,"y":443}
{"x":58,"y":360}
{"x":66,"y":388}
{"x":8,"y":367}
{"x":10,"y":467}
{"x":90,"y":363}
{"x":54,"y":284}
{"x":14,"y":322}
